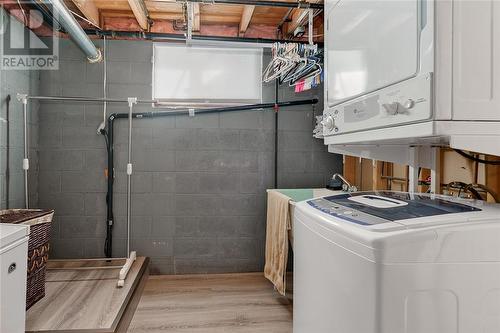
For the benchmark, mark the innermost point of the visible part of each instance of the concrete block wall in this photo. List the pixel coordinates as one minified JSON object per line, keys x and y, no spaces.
{"x":12,"y":133}
{"x":199,"y":184}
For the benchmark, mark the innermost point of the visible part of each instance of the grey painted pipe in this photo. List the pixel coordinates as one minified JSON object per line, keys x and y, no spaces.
{"x":62,"y":15}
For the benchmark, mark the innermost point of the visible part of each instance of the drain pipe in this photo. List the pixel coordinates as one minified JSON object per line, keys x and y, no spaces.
{"x":62,"y":15}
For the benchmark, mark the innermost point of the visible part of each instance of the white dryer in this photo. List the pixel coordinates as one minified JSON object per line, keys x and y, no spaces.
{"x":392,"y":262}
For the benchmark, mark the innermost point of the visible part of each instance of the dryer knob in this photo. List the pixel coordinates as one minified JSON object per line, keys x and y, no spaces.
{"x":392,"y":108}
{"x":328,"y":123}
{"x":409,"y":104}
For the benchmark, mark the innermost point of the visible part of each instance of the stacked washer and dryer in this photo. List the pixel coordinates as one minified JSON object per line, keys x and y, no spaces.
{"x":390,"y":262}
{"x":401,"y":78}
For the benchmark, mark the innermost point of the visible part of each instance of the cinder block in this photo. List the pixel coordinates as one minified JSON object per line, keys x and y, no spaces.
{"x":296,"y":141}
{"x":67,"y":248}
{"x":204,"y":266}
{"x":123,"y":91}
{"x":96,"y":160}
{"x":217,"y":139}
{"x":141,"y":73}
{"x":82,"y":227}
{"x":94,"y":248}
{"x":195,"y":247}
{"x":162,"y":266}
{"x":257,"y":140}
{"x":134,"y":51}
{"x":83,"y":181}
{"x":186,"y":183}
{"x":95,"y":204}
{"x":153,"y":247}
{"x":94,"y":73}
{"x":250,"y":183}
{"x":71,"y":204}
{"x":241,"y":120}
{"x":199,"y":121}
{"x":212,"y":183}
{"x":240,"y":248}
{"x":119,"y":72}
{"x":164,"y":182}
{"x":49,"y":182}
{"x":82,"y":137}
{"x":59,"y":160}
{"x":250,"y":226}
{"x":195,"y":205}
{"x":163,"y":227}
{"x":198,"y":161}
{"x":297,"y":120}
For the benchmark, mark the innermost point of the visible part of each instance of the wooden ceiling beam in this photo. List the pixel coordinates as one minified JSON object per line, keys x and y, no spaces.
{"x":196,"y":17}
{"x":246,"y":17}
{"x":299,"y":17}
{"x":89,"y":10}
{"x":140,"y":12}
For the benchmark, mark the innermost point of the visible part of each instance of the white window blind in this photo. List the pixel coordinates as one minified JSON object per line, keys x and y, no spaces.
{"x":198,"y":75}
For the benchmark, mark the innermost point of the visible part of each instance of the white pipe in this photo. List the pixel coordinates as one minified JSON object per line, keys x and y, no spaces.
{"x":26,"y":164}
{"x":62,"y":15}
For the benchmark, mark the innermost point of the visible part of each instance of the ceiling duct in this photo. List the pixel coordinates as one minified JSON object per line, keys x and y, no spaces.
{"x":64,"y":17}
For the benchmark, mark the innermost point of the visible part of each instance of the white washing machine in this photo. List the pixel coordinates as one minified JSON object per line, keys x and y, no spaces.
{"x":13,"y":270}
{"x":392,"y":262}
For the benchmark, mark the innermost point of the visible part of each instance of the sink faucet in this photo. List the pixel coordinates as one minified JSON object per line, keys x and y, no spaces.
{"x":346,"y":186}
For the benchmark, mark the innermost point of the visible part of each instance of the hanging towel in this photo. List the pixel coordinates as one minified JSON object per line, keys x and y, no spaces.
{"x":278,"y":225}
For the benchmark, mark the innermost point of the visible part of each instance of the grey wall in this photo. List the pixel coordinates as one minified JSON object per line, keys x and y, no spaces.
{"x":199,"y":184}
{"x":11,"y":157}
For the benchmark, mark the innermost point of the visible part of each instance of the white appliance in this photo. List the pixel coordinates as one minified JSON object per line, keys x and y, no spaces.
{"x":424,"y":69}
{"x":392,"y":262}
{"x":13,"y":270}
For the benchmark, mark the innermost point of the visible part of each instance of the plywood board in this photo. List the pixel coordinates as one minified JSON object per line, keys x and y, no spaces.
{"x":84,"y":300}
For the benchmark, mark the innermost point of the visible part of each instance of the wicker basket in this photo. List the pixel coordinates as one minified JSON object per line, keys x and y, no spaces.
{"x":38,"y":247}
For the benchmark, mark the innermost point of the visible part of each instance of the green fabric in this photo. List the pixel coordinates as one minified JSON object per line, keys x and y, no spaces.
{"x":300,"y":194}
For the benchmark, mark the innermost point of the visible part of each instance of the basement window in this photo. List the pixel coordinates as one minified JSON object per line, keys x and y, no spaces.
{"x":198,"y":76}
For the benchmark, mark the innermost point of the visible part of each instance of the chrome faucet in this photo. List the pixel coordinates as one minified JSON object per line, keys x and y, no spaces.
{"x":346,"y":186}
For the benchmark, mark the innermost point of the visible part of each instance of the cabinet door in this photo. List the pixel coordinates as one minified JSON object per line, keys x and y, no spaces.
{"x":13,"y":287}
{"x":476,"y":60}
{"x":369,"y":45}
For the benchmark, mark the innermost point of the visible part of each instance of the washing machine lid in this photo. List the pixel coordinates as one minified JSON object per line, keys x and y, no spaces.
{"x":394,"y":210}
{"x":11,"y":233}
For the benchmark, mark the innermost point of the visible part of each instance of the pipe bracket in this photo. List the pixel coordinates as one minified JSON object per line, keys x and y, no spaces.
{"x":23,"y":98}
{"x":132,"y":101}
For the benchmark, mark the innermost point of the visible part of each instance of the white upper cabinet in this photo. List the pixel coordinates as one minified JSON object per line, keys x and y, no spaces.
{"x":476,"y":61}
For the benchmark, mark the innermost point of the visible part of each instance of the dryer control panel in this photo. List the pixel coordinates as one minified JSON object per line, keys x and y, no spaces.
{"x":407,"y":102}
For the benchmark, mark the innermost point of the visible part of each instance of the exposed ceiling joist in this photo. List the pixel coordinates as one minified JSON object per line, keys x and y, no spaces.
{"x":89,"y":10}
{"x":299,"y":18}
{"x":140,"y":12}
{"x":196,"y":17}
{"x":246,"y":17}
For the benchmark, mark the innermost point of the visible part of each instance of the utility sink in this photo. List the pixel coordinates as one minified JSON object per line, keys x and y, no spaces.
{"x":302,"y":194}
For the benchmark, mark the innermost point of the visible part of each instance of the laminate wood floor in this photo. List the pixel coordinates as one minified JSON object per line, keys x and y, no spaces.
{"x":80,"y":298}
{"x":236,"y":303}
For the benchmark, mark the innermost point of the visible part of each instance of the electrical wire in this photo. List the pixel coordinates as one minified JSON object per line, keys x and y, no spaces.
{"x":476,"y":159}
{"x":105,"y":79}
{"x":85,"y":19}
{"x":26,"y":23}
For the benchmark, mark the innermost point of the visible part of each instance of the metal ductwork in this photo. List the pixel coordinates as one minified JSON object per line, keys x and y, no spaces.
{"x":64,"y":17}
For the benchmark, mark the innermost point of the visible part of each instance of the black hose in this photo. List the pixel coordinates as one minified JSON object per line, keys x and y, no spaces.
{"x":475,"y":159}
{"x":7,"y":151}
